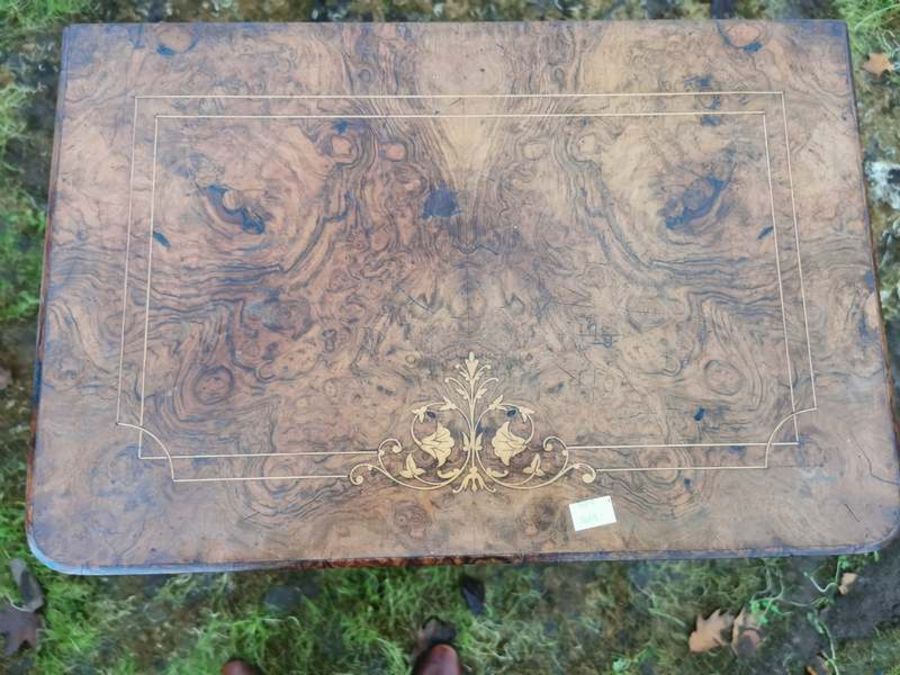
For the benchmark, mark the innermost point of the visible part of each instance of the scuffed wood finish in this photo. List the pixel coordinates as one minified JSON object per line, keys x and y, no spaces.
{"x":321,"y":294}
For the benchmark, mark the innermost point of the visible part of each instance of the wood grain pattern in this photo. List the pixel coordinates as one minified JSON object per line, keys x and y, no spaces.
{"x":380,"y":293}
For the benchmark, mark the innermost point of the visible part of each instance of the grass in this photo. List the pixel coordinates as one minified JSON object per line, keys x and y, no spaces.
{"x":874,"y":24}
{"x":573,"y":619}
{"x":23,"y":218}
{"x":20,"y":260}
{"x":24,"y":19}
{"x":881,"y":654}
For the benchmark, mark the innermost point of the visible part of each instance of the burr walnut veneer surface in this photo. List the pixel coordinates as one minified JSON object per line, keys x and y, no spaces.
{"x":325,"y":294}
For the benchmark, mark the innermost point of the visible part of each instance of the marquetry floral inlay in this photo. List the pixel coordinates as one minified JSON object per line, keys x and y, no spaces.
{"x":472,"y":444}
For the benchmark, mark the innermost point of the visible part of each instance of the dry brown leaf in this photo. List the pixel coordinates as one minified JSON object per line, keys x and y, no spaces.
{"x":18,"y":627}
{"x":708,"y":632}
{"x":877,"y":64}
{"x":746,"y":635}
{"x":847,"y":580}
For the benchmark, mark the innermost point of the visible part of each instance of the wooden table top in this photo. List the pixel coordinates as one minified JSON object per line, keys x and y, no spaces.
{"x":344,"y":294}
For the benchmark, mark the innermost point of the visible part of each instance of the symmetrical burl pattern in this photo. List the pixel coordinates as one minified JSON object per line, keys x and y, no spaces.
{"x":325,"y":294}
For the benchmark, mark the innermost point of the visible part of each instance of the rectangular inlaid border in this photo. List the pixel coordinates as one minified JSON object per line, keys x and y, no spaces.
{"x":790,"y":366}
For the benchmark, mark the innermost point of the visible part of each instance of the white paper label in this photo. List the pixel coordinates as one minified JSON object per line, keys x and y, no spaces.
{"x":592,"y":513}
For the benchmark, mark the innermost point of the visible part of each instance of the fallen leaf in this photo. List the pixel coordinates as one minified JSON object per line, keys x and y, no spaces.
{"x":32,"y":596}
{"x":708,"y":632}
{"x":18,"y":627}
{"x":745,"y":633}
{"x":877,"y":64}
{"x":5,"y":378}
{"x":847,"y":580}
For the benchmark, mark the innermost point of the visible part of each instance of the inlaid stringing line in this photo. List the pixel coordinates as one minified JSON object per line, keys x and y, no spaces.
{"x":688,"y":467}
{"x":787,"y":346}
{"x":375,"y":452}
{"x":366,"y":97}
{"x":787,"y":146}
{"x":127,"y":255}
{"x":453,"y":115}
{"x":147,"y":302}
{"x":675,"y":445}
{"x":246,"y":455}
{"x":796,"y":234}
{"x":175,"y":479}
{"x":226,"y":479}
{"x":371,"y":451}
{"x":169,"y":457}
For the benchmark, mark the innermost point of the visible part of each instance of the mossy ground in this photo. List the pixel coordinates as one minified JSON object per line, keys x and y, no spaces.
{"x":572,"y":619}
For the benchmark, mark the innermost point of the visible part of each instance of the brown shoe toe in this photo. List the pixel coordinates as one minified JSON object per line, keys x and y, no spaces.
{"x":238,"y":667}
{"x":439,"y":660}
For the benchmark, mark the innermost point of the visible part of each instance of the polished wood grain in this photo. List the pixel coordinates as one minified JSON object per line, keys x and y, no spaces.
{"x":323,"y":294}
